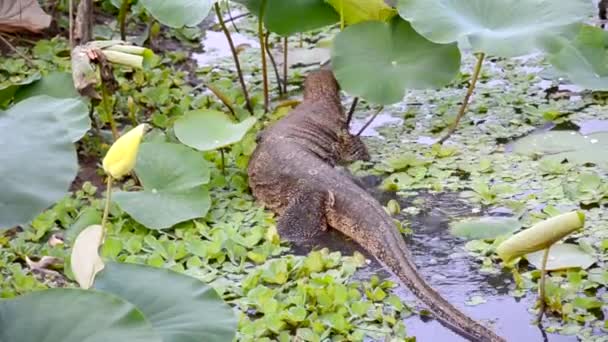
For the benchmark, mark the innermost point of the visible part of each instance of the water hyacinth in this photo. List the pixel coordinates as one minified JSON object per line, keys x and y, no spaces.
{"x":122,"y":155}
{"x":540,"y":236}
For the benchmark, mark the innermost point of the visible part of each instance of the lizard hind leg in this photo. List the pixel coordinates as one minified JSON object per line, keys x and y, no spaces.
{"x":304,"y":217}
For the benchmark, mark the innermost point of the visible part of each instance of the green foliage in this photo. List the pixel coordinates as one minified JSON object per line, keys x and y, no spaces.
{"x":316,"y":301}
{"x":486,"y":228}
{"x":505,"y":28}
{"x":39,"y":159}
{"x":55,"y":84}
{"x":563,"y":256}
{"x":289,"y":17}
{"x":580,"y":55}
{"x":180,"y":308}
{"x":178,"y":13}
{"x":72,"y":315}
{"x":396,"y":63}
{"x":356,"y":11}
{"x":173,"y":178}
{"x":207,"y":130}
{"x":564,"y":145}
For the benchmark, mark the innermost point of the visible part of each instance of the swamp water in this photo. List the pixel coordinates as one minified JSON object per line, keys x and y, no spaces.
{"x":445,"y":265}
{"x":439,"y":256}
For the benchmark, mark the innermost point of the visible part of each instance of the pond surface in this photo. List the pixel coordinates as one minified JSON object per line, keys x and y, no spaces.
{"x":443,"y":262}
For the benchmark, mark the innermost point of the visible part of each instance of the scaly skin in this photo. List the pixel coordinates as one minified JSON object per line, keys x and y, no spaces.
{"x":292,"y":171}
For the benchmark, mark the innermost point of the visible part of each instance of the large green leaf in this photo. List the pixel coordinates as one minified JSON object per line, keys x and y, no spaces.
{"x":55,"y":84}
{"x":505,"y":28}
{"x":173,"y":176}
{"x":72,"y":315}
{"x":485,"y":227}
{"x":563,"y":256}
{"x":581,"y":55}
{"x":356,"y":11}
{"x":180,"y":308}
{"x":7,"y":92}
{"x":207,"y":130}
{"x":289,"y":17}
{"x":561,"y":145}
{"x":38,"y":160}
{"x":379,"y":61}
{"x":178,"y":13}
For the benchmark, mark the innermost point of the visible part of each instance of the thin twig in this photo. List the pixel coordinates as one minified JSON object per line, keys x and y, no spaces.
{"x":543,"y":275}
{"x":351,"y":111}
{"x":238,"y":17}
{"x":122,"y":18}
{"x":236,"y":29}
{"x":107,"y":106}
{"x":223,"y":166}
{"x":465,"y":102}
{"x":218,"y":93}
{"x":10,"y":46}
{"x":274,"y":64}
{"x":261,"y":37}
{"x":106,"y":209}
{"x":71,"y":23}
{"x":370,"y":121}
{"x":235,"y":56}
{"x":285,"y":66}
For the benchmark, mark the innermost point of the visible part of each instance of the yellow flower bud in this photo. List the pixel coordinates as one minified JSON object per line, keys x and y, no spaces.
{"x":122,"y":155}
{"x":541,"y":235}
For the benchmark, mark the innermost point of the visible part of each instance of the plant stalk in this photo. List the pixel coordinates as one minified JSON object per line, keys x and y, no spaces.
{"x":285,"y":66}
{"x":235,"y":56}
{"x":541,"y":285}
{"x":225,"y":100}
{"x":106,"y":209}
{"x":122,"y":18}
{"x":107,"y":106}
{"x":26,"y":58}
{"x":71,"y":23}
{"x":262,"y":39}
{"x":223,"y":166}
{"x":274,"y":64}
{"x":465,"y":102}
{"x":370,"y":120}
{"x":229,"y":10}
{"x":351,"y":111}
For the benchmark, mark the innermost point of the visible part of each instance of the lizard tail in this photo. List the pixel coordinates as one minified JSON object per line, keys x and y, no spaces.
{"x":397,"y":257}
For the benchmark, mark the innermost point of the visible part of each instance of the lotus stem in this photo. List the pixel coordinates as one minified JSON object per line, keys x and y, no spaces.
{"x":223,"y":161}
{"x":225,"y":100}
{"x":370,"y":121}
{"x":10,"y":46}
{"x":229,"y":10}
{"x":71,"y":23}
{"x":106,"y":209}
{"x":107,"y":106}
{"x":465,"y":102}
{"x":274,"y":64}
{"x":261,"y":37}
{"x":285,"y":66}
{"x":235,"y":56}
{"x":122,"y":18}
{"x":341,"y":15}
{"x":541,"y":285}
{"x":352,"y":109}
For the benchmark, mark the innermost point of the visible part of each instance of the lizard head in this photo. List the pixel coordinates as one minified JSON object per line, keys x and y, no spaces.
{"x":321,"y":85}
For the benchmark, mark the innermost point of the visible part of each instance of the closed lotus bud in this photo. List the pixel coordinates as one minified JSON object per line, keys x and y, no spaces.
{"x":541,"y":235}
{"x":122,"y":155}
